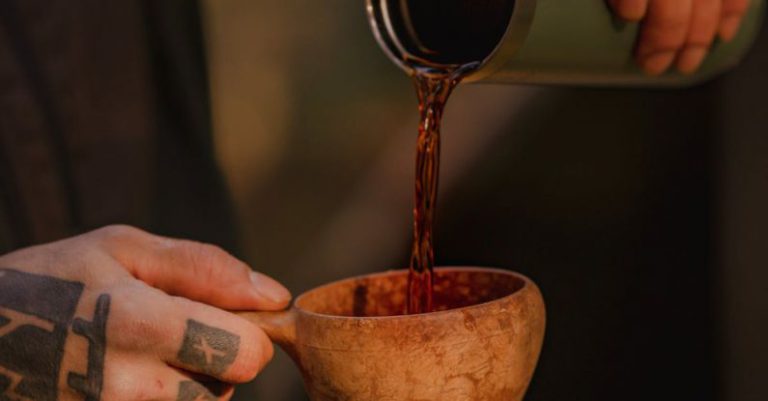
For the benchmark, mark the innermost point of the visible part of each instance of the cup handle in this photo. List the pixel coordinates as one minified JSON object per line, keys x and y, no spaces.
{"x":279,"y":326}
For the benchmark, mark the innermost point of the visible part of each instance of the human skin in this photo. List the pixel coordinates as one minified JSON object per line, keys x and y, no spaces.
{"x":120,"y":314}
{"x":680,"y":33}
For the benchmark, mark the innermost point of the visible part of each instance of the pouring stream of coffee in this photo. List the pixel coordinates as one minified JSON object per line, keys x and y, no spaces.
{"x":439,"y":42}
{"x":433,"y":87}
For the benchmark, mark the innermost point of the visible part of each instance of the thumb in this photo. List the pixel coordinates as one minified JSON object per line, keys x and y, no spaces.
{"x":194,"y":270}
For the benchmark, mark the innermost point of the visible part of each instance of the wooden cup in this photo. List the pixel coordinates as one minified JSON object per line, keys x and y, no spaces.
{"x":352,"y":342}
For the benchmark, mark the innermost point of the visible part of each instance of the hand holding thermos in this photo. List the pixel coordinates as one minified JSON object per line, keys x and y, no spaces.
{"x":680,"y":32}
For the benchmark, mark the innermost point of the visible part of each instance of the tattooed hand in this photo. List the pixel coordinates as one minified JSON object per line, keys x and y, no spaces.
{"x":119,"y":314}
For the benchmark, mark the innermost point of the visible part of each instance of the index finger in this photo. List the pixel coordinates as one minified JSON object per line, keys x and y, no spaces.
{"x":198,"y":271}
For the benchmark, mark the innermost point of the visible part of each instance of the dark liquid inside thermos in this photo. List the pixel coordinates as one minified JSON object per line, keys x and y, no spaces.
{"x":449,"y":31}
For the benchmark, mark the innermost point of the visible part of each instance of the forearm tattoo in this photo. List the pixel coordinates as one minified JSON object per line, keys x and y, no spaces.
{"x":36,"y":314}
{"x":95,"y":331}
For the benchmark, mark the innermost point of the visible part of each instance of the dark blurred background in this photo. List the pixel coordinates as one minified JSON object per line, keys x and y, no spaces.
{"x":279,"y":130}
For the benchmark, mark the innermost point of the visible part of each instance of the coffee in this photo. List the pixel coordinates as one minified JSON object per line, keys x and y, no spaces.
{"x":439,"y":42}
{"x":433,"y":87}
{"x":445,"y":32}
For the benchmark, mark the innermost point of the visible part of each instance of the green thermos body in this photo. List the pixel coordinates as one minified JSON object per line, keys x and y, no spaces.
{"x":574,"y":42}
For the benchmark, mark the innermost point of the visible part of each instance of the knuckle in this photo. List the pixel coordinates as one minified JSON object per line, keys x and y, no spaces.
{"x":209,"y":253}
{"x":117,"y":232}
{"x":136,"y":332}
{"x":133,"y":324}
{"x":121,"y":386}
{"x":205,"y":259}
{"x":211,"y":260}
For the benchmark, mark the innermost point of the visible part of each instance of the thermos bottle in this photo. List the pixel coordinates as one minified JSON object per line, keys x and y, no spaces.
{"x":577,"y":42}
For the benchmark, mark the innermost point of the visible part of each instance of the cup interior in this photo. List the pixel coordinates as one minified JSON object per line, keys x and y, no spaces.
{"x":384,"y":294}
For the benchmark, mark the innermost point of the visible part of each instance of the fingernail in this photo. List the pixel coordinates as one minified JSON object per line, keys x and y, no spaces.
{"x":269,"y":288}
{"x":690,"y":59}
{"x":729,"y":26}
{"x":657,"y":63}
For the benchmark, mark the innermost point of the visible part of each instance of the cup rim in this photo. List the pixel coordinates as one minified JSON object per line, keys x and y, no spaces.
{"x":527,"y":283}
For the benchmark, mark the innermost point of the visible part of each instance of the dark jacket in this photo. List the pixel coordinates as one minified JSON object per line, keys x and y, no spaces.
{"x":104,"y":118}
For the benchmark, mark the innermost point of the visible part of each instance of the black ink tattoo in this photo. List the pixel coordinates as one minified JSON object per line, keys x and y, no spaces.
{"x":95,"y":331}
{"x":193,"y":391}
{"x":35,"y":313}
{"x":208,"y":349}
